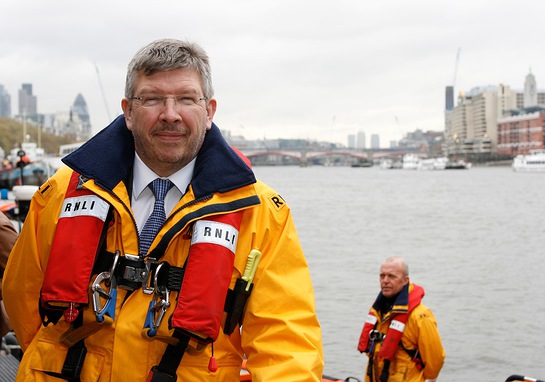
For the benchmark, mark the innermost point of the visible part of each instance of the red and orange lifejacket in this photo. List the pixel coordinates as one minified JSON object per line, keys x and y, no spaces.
{"x":404,"y":305}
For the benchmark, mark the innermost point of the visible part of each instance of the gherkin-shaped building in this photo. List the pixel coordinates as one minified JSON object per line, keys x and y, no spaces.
{"x":79,"y":108}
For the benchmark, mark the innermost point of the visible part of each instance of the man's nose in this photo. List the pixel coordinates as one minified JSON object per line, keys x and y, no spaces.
{"x":170,"y":113}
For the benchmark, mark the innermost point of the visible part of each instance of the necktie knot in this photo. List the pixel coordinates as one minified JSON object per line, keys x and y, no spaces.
{"x":159,"y":187}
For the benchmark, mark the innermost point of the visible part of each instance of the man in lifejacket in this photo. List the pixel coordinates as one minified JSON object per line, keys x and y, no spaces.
{"x":95,"y":294}
{"x":400,"y":334}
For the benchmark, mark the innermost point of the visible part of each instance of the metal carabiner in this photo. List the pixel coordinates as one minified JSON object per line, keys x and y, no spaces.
{"x":99,"y":292}
{"x":157,"y":309}
{"x":158,"y":305}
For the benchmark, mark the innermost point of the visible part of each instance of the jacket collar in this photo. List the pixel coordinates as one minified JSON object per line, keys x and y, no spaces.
{"x":400,"y":302}
{"x":108,"y":157}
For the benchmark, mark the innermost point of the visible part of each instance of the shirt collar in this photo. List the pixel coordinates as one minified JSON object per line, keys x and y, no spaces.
{"x":143,"y":175}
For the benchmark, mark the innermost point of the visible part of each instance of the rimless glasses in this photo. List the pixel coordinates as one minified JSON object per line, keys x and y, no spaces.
{"x":156,"y":102}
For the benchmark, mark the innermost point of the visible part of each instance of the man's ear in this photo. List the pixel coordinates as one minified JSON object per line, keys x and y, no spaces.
{"x":126,"y":107}
{"x":210,"y":111}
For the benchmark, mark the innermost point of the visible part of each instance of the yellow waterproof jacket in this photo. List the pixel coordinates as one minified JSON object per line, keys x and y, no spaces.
{"x":280,"y":335}
{"x":420,"y":333}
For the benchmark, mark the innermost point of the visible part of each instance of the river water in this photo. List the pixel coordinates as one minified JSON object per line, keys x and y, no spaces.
{"x":474,"y":239}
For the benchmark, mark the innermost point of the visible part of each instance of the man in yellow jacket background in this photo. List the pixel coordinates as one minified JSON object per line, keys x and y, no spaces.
{"x":400,"y":334}
{"x":96,"y":293}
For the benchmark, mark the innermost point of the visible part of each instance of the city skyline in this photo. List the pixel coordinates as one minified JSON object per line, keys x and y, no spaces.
{"x":282,"y":69}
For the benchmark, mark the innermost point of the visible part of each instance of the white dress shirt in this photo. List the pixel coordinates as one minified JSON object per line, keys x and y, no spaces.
{"x":142,"y":199}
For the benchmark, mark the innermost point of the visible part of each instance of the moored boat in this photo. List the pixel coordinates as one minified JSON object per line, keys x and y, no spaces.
{"x":33,"y":174}
{"x":410,"y":161}
{"x":458,"y":165}
{"x":533,"y":162}
{"x":440,"y":163}
{"x":386,"y":164}
{"x":426,"y":164}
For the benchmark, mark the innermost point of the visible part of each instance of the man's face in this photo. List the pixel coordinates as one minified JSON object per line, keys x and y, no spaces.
{"x":392,"y":279}
{"x":168,"y":118}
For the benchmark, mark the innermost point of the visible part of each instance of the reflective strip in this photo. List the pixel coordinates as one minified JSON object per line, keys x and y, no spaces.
{"x":371,"y":319}
{"x":211,"y":232}
{"x":397,"y":325}
{"x":88,"y":205}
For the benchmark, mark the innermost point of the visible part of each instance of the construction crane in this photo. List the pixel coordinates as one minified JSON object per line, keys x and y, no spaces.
{"x":455,"y":70}
{"x":103,"y":94}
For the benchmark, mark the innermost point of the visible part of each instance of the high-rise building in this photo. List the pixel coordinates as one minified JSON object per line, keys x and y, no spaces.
{"x":5,"y":103}
{"x":27,"y":103}
{"x":80,"y":108}
{"x":449,"y":98}
{"x":530,"y":91}
{"x":360,"y":140}
{"x":375,"y":141}
{"x":473,"y":124}
{"x":351,"y":141}
{"x":73,"y":123}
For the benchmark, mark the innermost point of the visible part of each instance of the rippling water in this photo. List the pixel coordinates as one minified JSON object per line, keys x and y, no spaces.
{"x":474,"y":239}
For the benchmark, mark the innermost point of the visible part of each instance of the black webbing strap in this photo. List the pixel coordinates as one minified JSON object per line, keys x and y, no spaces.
{"x":415,"y":356}
{"x":166,"y":370}
{"x":385,"y":371}
{"x":73,"y":363}
{"x":169,"y":275}
{"x":75,"y":356}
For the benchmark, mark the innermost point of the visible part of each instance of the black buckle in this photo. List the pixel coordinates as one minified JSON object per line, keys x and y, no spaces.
{"x":376,"y":336}
{"x":131,"y":272}
{"x":156,"y":375}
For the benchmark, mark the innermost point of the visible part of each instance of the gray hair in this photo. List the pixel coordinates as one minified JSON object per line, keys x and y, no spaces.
{"x":401,"y":261}
{"x":169,"y":54}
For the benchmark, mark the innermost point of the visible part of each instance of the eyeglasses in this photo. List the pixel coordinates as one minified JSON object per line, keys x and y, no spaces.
{"x":155,"y":101}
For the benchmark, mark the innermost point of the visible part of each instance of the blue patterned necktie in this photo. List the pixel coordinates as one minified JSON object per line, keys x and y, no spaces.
{"x":159,"y":187}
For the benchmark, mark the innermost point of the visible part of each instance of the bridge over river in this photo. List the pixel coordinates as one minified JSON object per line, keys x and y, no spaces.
{"x":305,"y":156}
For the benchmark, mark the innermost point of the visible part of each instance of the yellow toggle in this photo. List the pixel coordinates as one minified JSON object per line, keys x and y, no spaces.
{"x":251,"y":267}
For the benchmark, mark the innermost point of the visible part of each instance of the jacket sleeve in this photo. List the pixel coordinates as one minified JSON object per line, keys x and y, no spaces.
{"x":281,"y":335}
{"x":430,"y":346}
{"x":26,"y":265}
{"x":8,"y":236}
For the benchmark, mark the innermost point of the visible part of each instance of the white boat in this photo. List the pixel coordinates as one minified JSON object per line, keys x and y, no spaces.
{"x":426,"y":164}
{"x":386,"y":164}
{"x":410,"y":161}
{"x":30,"y":150}
{"x":440,"y":163}
{"x":458,"y":165}
{"x":533,"y":162}
{"x":433,"y":163}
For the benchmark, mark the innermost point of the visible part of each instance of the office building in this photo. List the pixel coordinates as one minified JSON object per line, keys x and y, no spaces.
{"x":351,"y":141}
{"x":360,"y":140}
{"x":28,"y":105}
{"x":375,"y":141}
{"x":472,"y":125}
{"x":5,"y":103}
{"x":522,"y":132}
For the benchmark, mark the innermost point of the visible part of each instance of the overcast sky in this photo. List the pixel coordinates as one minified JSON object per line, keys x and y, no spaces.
{"x":281,"y":68}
